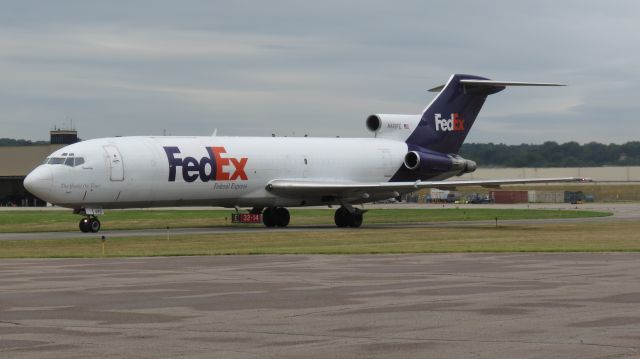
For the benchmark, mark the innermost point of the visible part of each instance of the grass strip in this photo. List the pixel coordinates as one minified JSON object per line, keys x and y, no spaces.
{"x":556,"y":237}
{"x":50,"y":221}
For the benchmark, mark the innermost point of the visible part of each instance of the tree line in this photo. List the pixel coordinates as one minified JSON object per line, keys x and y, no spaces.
{"x":552,"y":154}
{"x":14,"y":142}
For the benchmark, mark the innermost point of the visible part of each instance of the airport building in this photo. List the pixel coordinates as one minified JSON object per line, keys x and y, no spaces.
{"x":17,"y":161}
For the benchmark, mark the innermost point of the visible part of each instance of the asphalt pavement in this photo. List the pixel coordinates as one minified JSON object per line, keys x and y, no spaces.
{"x":576,"y":305}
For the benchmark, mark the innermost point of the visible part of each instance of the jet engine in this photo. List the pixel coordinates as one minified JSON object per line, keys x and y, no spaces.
{"x":434,"y":162}
{"x":392,"y":126}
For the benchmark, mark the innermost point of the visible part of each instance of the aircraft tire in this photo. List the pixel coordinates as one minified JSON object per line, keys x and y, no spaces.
{"x":94,"y":225}
{"x":84,"y":225}
{"x":342,"y":217}
{"x":268,"y":217}
{"x":282,"y":216}
{"x":356,"y":220}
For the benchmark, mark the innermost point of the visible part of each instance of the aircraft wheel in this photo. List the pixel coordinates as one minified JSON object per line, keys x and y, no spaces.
{"x":342,"y":217}
{"x":94,"y":225}
{"x":282,"y":217}
{"x":85,"y":225}
{"x":268,"y":217}
{"x":356,"y":220}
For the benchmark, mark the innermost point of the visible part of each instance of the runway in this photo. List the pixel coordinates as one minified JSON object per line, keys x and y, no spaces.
{"x":621,"y":212}
{"x":383,"y":306}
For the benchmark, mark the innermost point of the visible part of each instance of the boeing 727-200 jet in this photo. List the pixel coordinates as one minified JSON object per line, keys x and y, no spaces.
{"x":406,"y":153}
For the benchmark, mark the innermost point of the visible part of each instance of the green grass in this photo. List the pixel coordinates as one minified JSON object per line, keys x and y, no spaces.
{"x":606,"y":236}
{"x":553,"y":237}
{"x":46,"y":220}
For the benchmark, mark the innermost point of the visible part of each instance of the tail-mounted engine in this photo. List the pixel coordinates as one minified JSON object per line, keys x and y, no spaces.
{"x":434,"y":163}
{"x":397,"y":127}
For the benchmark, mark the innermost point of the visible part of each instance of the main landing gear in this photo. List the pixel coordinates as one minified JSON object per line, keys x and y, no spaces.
{"x":90,"y":224}
{"x":348,"y":218}
{"x":275,"y":217}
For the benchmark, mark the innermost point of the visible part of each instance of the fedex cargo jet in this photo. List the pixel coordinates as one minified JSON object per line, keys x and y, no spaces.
{"x":267,"y":175}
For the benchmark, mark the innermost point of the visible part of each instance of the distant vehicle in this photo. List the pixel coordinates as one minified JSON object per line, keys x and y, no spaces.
{"x":577,"y":197}
{"x":268,"y":174}
{"x":452,"y":198}
{"x":478,"y":198}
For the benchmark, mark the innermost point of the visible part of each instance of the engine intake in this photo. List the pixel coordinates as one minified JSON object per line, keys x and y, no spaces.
{"x":412,"y":160}
{"x":374,"y":123}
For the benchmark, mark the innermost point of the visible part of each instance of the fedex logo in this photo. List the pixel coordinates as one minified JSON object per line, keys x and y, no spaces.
{"x":211,"y":168}
{"x":455,"y":123}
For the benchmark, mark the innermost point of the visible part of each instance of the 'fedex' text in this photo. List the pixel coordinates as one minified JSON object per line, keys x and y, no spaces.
{"x":455,"y":123}
{"x":210,"y":168}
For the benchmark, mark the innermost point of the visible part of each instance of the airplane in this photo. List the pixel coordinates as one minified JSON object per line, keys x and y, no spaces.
{"x":269,"y":174}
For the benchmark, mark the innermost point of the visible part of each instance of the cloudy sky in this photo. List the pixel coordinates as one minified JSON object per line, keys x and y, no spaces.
{"x":315,"y":67}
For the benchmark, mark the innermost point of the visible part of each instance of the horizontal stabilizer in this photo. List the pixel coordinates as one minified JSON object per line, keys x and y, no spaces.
{"x":492,"y":83}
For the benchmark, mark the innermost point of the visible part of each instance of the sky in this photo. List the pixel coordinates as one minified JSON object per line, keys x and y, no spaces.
{"x":253,"y":68}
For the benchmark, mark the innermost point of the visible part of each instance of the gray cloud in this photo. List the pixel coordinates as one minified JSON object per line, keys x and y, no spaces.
{"x":253,"y":68}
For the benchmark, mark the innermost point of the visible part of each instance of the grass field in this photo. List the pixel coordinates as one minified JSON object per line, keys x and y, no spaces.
{"x":606,"y":236}
{"x":562,"y":237}
{"x":41,"y":221}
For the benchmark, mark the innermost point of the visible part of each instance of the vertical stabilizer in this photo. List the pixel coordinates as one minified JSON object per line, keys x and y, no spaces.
{"x":446,"y":122}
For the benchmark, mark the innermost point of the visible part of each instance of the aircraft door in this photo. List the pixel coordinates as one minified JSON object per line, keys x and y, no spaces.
{"x":116,"y":168}
{"x":387,"y":164}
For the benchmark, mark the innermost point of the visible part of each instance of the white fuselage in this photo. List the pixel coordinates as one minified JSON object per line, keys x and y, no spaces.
{"x":126,"y":172}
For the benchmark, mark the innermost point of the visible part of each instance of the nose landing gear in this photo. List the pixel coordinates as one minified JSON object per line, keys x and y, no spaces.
{"x":89,"y":224}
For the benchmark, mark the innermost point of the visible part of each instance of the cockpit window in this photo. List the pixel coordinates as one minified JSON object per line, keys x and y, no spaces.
{"x":46,"y":160}
{"x":56,"y":160}
{"x":67,"y":161}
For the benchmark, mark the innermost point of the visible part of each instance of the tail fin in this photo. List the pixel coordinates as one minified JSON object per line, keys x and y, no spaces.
{"x":447,"y":120}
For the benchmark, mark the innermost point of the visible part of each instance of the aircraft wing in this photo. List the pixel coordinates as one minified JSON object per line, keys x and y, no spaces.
{"x":364,"y":190}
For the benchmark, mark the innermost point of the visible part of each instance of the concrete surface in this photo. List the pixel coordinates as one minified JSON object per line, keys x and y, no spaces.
{"x":385,"y":306}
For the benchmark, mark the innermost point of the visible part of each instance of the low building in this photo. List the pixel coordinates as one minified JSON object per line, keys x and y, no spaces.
{"x":17,"y":161}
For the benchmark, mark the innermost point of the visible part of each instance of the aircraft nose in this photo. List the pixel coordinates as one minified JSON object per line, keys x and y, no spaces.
{"x":39,"y":182}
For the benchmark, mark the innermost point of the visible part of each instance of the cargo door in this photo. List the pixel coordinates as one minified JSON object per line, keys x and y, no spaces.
{"x":116,"y":168}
